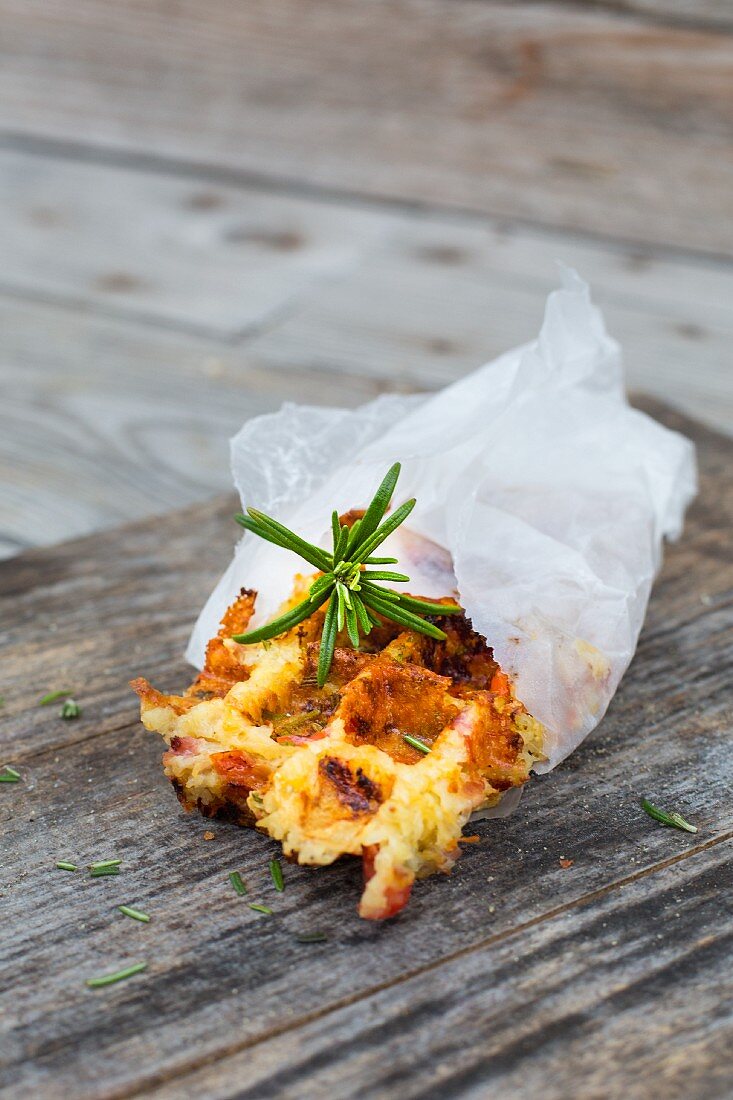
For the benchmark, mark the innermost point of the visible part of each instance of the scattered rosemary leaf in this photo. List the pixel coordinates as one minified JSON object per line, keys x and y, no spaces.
{"x":103,"y":864}
{"x":276,"y":873}
{"x":108,"y":979}
{"x":236,"y":880}
{"x":261,"y":908}
{"x":128,"y":911}
{"x":416,"y":744}
{"x":9,"y":775}
{"x":105,"y":872}
{"x":52,"y":697}
{"x":676,"y":820}
{"x":312,"y":937}
{"x":64,"y":866}
{"x":70,"y":709}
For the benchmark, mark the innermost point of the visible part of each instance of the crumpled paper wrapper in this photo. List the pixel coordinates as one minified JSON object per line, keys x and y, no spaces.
{"x":545,"y":499}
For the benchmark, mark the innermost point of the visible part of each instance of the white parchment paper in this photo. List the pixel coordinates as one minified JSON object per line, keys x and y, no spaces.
{"x":550,"y":494}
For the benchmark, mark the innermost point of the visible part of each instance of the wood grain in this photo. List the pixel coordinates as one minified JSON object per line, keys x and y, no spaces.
{"x":146,"y":316}
{"x":691,"y":13}
{"x":212,"y":261}
{"x":562,"y":115}
{"x":438,"y":298}
{"x":107,"y":420}
{"x":559,"y":1008}
{"x":565,"y":977}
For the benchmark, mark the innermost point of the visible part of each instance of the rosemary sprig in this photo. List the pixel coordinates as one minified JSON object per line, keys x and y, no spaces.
{"x":676,"y":820}
{"x":355,"y":593}
{"x":108,"y":979}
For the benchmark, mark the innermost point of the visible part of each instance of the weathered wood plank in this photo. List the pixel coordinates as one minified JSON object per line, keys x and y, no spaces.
{"x":134,"y":248}
{"x":440,"y":297}
{"x":563,"y":116}
{"x":622,"y":996}
{"x":130,"y":594}
{"x":109,"y":418}
{"x":220,"y":977}
{"x":106,"y":421}
{"x":215,"y":261}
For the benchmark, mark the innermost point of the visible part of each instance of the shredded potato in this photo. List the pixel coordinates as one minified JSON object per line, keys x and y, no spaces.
{"x":327,"y":771}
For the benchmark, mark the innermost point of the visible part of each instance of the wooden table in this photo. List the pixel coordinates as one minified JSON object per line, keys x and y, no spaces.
{"x":208,"y":209}
{"x":519,"y":974}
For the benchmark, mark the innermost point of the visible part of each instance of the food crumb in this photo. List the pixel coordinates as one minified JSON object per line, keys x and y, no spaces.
{"x":208,"y":835}
{"x":566,"y":862}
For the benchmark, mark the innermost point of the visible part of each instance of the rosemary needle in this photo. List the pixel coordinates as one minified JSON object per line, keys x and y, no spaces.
{"x":104,"y":868}
{"x":108,"y":979}
{"x":312,"y":937}
{"x":52,"y":697}
{"x":416,"y":744}
{"x":9,"y":775}
{"x":676,"y":820}
{"x":237,"y":882}
{"x":261,"y":908}
{"x":276,"y":873}
{"x":63,"y":865}
{"x":128,"y":911}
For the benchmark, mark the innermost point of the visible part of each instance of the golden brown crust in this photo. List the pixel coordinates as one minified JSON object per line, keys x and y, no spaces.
{"x":223,"y":664}
{"x":150,"y":697}
{"x":328,"y":770}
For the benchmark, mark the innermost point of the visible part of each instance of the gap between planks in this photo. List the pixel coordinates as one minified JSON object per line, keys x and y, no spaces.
{"x":155,"y":1080}
{"x":79,"y":304}
{"x":249,"y":179}
{"x":701,"y":15}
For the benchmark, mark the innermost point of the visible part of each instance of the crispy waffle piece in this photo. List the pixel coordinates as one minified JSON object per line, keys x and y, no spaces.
{"x":327,"y":771}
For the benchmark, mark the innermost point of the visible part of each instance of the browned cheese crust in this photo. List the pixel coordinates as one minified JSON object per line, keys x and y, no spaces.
{"x":327,"y":771}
